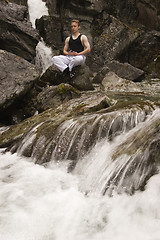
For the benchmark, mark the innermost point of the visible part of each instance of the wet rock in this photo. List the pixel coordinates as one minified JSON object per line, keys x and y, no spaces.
{"x":100,"y":75}
{"x":17,"y":77}
{"x":53,"y":96}
{"x":52,"y":76}
{"x":16,"y":34}
{"x":69,"y":131}
{"x":141,"y":158}
{"x":111,"y":82}
{"x":127,"y":71}
{"x":53,"y":117}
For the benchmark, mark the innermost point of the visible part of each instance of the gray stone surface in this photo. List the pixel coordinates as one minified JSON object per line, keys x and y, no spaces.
{"x":16,"y":78}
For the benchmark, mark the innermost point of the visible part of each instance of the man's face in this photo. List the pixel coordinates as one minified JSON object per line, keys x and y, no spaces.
{"x":74,"y":27}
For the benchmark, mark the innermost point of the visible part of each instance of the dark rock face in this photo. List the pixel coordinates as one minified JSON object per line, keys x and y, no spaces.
{"x":16,"y":34}
{"x":125,"y":10}
{"x":148,"y":13}
{"x":50,"y":27}
{"x":111,"y":42}
{"x":144,"y":52}
{"x":17,"y":76}
{"x":20,"y":2}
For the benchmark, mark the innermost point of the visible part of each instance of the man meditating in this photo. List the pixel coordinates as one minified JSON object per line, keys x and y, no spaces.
{"x":75,"y":48}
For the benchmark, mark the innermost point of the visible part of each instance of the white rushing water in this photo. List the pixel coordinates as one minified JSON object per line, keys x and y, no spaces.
{"x":37,"y":9}
{"x":45,"y":203}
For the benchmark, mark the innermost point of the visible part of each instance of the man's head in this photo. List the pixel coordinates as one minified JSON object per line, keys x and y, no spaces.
{"x":75,"y":21}
{"x":75,"y":25}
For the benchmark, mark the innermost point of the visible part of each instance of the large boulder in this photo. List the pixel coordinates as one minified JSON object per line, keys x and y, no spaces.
{"x":17,"y":77}
{"x":53,"y":96}
{"x":127,"y":71}
{"x":81,"y":79}
{"x":144,"y":52}
{"x":111,"y":82}
{"x":122,"y":70}
{"x":16,"y":33}
{"x":55,"y":116}
{"x":110,"y":39}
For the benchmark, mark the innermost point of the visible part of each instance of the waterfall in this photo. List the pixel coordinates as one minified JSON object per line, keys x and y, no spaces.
{"x":37,"y":8}
{"x":46,"y":203}
{"x":104,"y":170}
{"x":88,"y":184}
{"x":74,"y":138}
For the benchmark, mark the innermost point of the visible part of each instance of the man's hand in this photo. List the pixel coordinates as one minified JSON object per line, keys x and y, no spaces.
{"x":72,"y":53}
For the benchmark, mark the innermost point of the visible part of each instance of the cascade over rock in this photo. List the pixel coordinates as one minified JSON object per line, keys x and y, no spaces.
{"x":72,"y":129}
{"x":61,"y":137}
{"x":60,"y":119}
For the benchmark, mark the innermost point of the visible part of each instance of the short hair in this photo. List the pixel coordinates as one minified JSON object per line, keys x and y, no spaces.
{"x":76,"y":21}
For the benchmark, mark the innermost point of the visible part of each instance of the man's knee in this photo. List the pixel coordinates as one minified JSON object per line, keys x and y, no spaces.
{"x":54,"y":59}
{"x":79,"y":61}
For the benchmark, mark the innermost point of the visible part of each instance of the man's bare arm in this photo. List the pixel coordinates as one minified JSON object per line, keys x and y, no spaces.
{"x":86,"y":45}
{"x":66,"y":46}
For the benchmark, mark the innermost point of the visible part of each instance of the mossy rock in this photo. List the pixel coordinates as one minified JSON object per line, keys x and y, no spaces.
{"x":53,"y":96}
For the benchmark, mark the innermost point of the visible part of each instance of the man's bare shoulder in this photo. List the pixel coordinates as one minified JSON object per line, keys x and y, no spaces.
{"x":83,"y":36}
{"x":67,"y":39}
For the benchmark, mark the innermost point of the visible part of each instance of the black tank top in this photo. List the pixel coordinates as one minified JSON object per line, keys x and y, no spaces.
{"x":75,"y":44}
